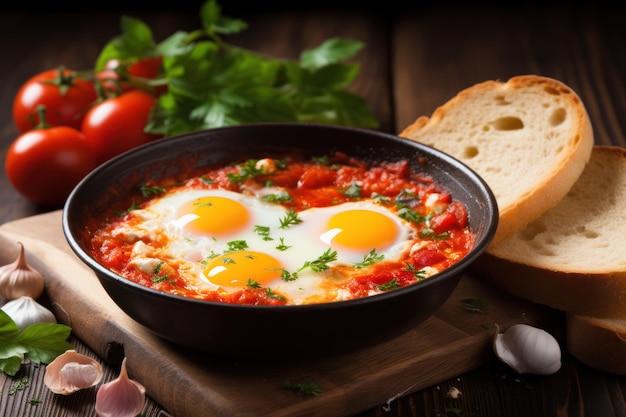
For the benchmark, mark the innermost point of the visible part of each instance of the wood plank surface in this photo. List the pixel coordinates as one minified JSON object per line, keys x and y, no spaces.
{"x":450,"y":343}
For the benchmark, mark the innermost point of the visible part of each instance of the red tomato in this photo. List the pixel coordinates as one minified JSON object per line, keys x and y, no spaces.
{"x":117,"y":124}
{"x":44,"y":165}
{"x":65,"y":95}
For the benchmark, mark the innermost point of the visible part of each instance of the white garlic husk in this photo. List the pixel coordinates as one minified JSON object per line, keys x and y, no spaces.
{"x":18,"y":279}
{"x":72,"y":371}
{"x":122,"y":397}
{"x":25,"y":312}
{"x":528,"y":350}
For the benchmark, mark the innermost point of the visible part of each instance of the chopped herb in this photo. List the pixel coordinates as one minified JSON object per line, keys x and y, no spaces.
{"x":307,"y":389}
{"x":321,"y":263}
{"x":272,"y":294}
{"x":354,"y":190}
{"x":369,"y":259}
{"x":380,"y":199}
{"x":235,"y":245}
{"x":228,"y":260}
{"x":148,"y":191}
{"x":207,"y":180}
{"x":288,"y":276}
{"x":428,"y":233}
{"x":34,"y":401}
{"x":157,"y":273}
{"x":247,"y":170}
{"x":474,"y":304}
{"x":290,"y":219}
{"x":323,"y":160}
{"x":389,"y":285}
{"x":133,"y":206}
{"x":279,"y":197}
{"x":253,"y":284}
{"x":411,"y":215}
{"x":263,"y":231}
{"x":19,"y":384}
{"x":406,"y":198}
{"x":282,"y":246}
{"x":418,"y":273}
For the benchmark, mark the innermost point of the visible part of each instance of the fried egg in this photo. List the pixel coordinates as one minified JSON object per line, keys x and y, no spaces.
{"x":224,"y":240}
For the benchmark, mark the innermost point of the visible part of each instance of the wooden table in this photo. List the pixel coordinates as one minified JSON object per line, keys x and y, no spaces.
{"x":415,"y":59}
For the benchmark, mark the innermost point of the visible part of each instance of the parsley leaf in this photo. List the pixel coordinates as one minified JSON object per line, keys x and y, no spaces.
{"x":41,"y":343}
{"x":369,"y":259}
{"x":211,"y":83}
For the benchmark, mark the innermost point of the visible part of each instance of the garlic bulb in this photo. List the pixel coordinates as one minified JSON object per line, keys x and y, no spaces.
{"x":72,"y":371}
{"x":121,"y":397}
{"x":18,"y":279}
{"x":25,"y":311}
{"x":528,"y":349}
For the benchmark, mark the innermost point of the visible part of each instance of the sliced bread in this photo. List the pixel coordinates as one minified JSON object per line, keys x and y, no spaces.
{"x":573,"y":257}
{"x":529,"y":138}
{"x":598,"y":343}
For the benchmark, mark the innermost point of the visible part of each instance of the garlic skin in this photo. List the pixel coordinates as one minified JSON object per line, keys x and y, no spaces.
{"x":121,"y":397}
{"x":25,"y":312}
{"x":18,"y":279}
{"x":528,"y":350}
{"x":72,"y":371}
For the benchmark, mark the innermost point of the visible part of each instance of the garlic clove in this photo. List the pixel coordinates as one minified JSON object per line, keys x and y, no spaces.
{"x":25,"y":312}
{"x":528,"y":349}
{"x":122,"y":397}
{"x":71,"y":372}
{"x":19,"y":279}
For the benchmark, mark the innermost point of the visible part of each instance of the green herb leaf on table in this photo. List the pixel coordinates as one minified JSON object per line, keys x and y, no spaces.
{"x":41,"y":343}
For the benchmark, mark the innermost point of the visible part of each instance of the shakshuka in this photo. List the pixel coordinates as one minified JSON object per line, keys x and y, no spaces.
{"x":286,"y":231}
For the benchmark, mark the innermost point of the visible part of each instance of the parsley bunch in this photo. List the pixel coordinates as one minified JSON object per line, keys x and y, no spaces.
{"x":211,"y":83}
{"x":41,"y":343}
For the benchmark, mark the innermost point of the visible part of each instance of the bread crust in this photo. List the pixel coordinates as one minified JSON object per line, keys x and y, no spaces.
{"x":600,"y":344}
{"x":573,"y":257}
{"x":459,"y":121}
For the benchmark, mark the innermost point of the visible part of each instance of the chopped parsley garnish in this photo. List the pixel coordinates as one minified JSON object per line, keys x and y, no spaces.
{"x":322,"y":160}
{"x":354,"y":191}
{"x":148,"y":191}
{"x":307,"y":389}
{"x":247,"y":170}
{"x":228,"y":260}
{"x":290,"y":219}
{"x":389,"y":285}
{"x":318,"y":265}
{"x":282,"y":246}
{"x":235,"y":245}
{"x":157,"y":273}
{"x":272,"y":294}
{"x":380,"y":199}
{"x":133,"y":206}
{"x":369,"y":259}
{"x":474,"y":304}
{"x":263,"y":231}
{"x":279,"y":197}
{"x":411,"y":215}
{"x":419,"y":274}
{"x":207,"y":180}
{"x":253,"y":284}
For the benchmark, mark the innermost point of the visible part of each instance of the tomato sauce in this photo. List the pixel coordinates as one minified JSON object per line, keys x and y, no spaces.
{"x":442,"y":234}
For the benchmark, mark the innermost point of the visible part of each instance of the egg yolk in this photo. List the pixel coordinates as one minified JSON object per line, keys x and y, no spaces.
{"x":361,"y":230}
{"x":214,"y":215}
{"x":235,"y":269}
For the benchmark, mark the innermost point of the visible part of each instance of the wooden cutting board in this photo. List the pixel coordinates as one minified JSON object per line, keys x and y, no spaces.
{"x":188,"y":383}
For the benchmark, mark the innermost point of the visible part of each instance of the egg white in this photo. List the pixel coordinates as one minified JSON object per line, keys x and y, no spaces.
{"x":293,"y":246}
